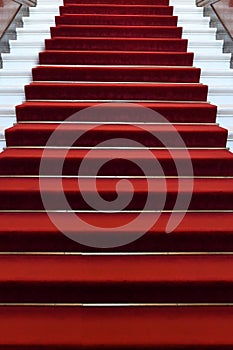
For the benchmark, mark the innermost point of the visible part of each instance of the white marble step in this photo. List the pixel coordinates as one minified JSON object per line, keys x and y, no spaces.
{"x":54,"y":9}
{"x":15,"y":77}
{"x":220,"y":94}
{"x":43,"y":21}
{"x":188,"y":29}
{"x":11,"y":95}
{"x":217,"y":77}
{"x":203,"y":60}
{"x":27,"y":47}
{"x":36,"y":45}
{"x":181,"y":10}
{"x":48,"y":20}
{"x":19,"y":61}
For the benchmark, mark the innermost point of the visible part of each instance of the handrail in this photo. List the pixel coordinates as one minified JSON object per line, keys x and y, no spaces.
{"x":203,"y":3}
{"x":8,"y":11}
{"x":26,"y":2}
{"x":224,"y":12}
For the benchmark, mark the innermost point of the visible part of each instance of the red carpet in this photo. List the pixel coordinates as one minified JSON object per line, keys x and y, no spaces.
{"x":170,"y":289}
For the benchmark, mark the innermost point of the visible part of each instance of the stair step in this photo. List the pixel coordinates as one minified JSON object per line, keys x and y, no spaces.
{"x":136,"y":74}
{"x":215,"y":47}
{"x":212,"y":62}
{"x":147,"y":135}
{"x":102,"y":19}
{"x":173,"y":112}
{"x":19,"y":61}
{"x":191,"y":326}
{"x":201,"y":194}
{"x":205,"y":162}
{"x":217,"y":77}
{"x":131,"y":31}
{"x":14,"y":77}
{"x":96,"y":57}
{"x":12,"y":94}
{"x":115,"y":91}
{"x":183,"y":9}
{"x":102,"y":43}
{"x":115,"y":57}
{"x":38,"y":20}
{"x":39,"y":232}
{"x":70,"y":19}
{"x":220,"y":94}
{"x":116,"y":278}
{"x":116,"y":31}
{"x":45,"y":9}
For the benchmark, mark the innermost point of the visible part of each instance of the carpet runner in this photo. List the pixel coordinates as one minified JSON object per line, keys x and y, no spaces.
{"x":161,"y":289}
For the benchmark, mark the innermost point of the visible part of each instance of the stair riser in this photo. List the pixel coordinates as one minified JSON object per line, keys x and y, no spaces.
{"x":111,"y":292}
{"x":116,"y":20}
{"x":32,"y":201}
{"x":142,"y":32}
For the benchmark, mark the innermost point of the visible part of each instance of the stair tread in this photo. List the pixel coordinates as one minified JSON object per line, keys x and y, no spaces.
{"x":118,"y":127}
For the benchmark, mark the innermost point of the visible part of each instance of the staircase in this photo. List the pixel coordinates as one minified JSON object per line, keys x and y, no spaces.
{"x":30,"y":40}
{"x":116,"y":191}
